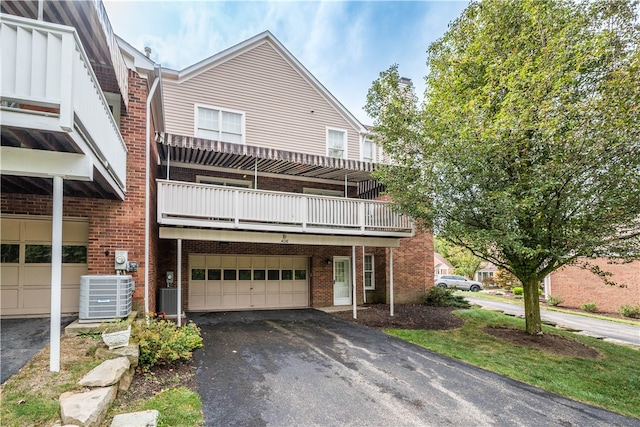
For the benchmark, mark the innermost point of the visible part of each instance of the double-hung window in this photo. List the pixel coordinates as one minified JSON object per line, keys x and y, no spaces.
{"x":219,"y":125}
{"x":369,"y":279}
{"x":337,"y":143}
{"x":368,"y":150}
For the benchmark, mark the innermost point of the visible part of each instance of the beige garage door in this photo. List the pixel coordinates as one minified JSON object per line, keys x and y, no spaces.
{"x":244,"y":282}
{"x":25,"y":265}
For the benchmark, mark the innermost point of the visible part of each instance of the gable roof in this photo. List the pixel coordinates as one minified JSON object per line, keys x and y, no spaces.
{"x":249,"y":44}
{"x":440,"y":261}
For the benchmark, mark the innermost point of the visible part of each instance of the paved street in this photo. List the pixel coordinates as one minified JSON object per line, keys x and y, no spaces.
{"x":307,"y":368}
{"x":602,"y":328}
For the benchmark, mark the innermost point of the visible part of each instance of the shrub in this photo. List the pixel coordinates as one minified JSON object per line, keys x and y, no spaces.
{"x":630,"y":310}
{"x":554,"y":301}
{"x":517,"y":290}
{"x":505,"y":280}
{"x":442,"y":297}
{"x":162,"y":342}
{"x":590,"y":307}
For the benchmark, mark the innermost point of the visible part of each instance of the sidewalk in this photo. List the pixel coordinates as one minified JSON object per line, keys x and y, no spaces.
{"x":610,"y":331}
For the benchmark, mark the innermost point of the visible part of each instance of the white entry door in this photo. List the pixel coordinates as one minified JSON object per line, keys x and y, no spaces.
{"x":341,"y":281}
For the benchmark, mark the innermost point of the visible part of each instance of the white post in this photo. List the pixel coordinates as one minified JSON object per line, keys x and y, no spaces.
{"x":364,"y":291}
{"x":255,"y":174}
{"x":179,"y":279}
{"x":56,"y":275}
{"x":40,"y":18}
{"x":391,"y":281}
{"x":353,"y":274}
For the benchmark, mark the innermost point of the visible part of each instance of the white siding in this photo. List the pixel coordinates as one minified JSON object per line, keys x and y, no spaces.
{"x":277,"y":100}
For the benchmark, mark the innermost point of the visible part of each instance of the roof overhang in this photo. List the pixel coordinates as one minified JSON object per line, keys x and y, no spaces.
{"x":206,"y":152}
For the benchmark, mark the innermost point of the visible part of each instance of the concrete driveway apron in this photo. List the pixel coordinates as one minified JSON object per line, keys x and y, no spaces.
{"x":307,"y":368}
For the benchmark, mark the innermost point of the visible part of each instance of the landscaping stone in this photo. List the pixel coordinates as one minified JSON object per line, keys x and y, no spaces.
{"x":136,"y":419}
{"x":86,"y":409}
{"x":132,"y":352}
{"x":125,"y":380}
{"x":107,"y":373}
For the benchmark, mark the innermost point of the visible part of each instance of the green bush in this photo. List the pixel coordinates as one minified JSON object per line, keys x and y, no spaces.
{"x":630,"y":310}
{"x":590,"y":307}
{"x":163,"y":342}
{"x":517,"y":290}
{"x":443,"y":297}
{"x":554,"y":301}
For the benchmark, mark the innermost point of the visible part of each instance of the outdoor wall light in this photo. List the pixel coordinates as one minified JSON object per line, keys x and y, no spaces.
{"x":328,"y":261}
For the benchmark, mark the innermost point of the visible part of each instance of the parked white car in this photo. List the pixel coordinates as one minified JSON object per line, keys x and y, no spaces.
{"x":457,"y":282}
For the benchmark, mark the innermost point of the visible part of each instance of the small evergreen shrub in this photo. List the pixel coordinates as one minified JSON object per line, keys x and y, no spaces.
{"x":555,"y":301}
{"x":163,"y":342}
{"x":517,"y":290}
{"x":630,"y":310}
{"x":442,"y":297}
{"x":590,"y":307}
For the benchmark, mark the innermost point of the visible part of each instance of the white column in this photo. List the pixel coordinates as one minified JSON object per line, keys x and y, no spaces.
{"x":56,"y":275}
{"x":353,"y":275}
{"x":391,"y":281}
{"x":179,"y":279}
{"x":364,"y":291}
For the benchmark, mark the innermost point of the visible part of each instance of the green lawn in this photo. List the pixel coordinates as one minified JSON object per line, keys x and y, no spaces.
{"x":612,"y":381}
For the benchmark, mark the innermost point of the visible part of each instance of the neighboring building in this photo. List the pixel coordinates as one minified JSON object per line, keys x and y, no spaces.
{"x":485,"y":271}
{"x":577,"y":286}
{"x":74,"y":137}
{"x":441,"y":265}
{"x":256,"y":193}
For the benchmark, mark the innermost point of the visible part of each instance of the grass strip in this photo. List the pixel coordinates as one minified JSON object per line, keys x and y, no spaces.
{"x":612,"y":381}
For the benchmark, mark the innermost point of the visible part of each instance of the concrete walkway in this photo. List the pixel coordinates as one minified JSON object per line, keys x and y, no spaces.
{"x":606,"y":329}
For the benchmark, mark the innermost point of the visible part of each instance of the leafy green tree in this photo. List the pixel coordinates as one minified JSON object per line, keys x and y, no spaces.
{"x":526,"y":149}
{"x":462,"y":259}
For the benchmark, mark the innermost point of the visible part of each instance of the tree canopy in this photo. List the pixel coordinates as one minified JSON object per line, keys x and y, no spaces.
{"x":526,"y":149}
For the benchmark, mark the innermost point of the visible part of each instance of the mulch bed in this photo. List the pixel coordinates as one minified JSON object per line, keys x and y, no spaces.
{"x":406,"y":316}
{"x":415,"y":316}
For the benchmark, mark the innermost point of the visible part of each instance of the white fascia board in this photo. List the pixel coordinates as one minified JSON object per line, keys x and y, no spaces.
{"x":45,"y":164}
{"x":275,"y":238}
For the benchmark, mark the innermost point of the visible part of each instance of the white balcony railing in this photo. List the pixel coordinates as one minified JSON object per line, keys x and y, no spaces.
{"x":204,"y":205}
{"x":45,"y":68}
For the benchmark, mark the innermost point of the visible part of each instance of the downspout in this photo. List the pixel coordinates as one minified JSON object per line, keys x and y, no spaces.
{"x":147,"y":155}
{"x":364,"y":289}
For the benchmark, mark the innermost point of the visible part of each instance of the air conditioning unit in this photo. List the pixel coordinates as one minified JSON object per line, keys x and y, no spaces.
{"x":105,"y":297}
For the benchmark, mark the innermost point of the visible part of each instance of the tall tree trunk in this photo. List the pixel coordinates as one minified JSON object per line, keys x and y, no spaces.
{"x":532,"y":307}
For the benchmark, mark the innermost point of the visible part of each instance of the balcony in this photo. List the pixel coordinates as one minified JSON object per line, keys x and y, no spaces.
{"x":49,"y":89}
{"x":211,"y":206}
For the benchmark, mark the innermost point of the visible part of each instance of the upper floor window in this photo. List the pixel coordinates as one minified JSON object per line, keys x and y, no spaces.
{"x":219,"y":125}
{"x":337,"y":143}
{"x":368,"y":150}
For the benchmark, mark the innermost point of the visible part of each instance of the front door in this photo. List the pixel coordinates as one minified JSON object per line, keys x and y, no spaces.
{"x":341,"y":281}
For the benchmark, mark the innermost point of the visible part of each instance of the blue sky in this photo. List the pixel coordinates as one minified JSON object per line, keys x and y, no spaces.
{"x":344,"y":44}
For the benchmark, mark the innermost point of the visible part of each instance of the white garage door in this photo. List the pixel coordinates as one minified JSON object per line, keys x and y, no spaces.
{"x":25,"y":265}
{"x":244,"y":282}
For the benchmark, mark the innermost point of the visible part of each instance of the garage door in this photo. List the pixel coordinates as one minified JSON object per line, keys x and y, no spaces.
{"x":243,"y":282}
{"x":25,"y":265}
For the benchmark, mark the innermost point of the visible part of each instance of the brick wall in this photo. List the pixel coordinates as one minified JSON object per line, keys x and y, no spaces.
{"x":578,"y":286}
{"x":113,"y":224}
{"x":412,"y":268}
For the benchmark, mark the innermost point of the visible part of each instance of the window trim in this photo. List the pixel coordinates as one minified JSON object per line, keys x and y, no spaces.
{"x":345,"y":139}
{"x":322,"y":192}
{"x":373,"y":149}
{"x":220,"y":111}
{"x":371,"y":287}
{"x":227,"y":182}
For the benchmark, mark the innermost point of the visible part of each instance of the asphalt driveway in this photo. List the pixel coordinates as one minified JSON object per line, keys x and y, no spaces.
{"x":306,"y":368}
{"x":21,"y":339}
